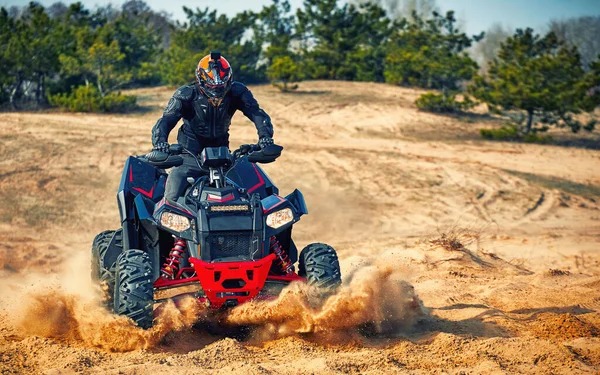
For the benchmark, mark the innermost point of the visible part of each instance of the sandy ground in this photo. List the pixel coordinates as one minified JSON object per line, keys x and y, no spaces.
{"x":471,"y":257}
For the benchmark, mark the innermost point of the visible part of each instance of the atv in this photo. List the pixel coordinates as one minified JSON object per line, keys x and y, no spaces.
{"x":227,"y":240}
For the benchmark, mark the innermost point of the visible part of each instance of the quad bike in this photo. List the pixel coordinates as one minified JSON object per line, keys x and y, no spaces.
{"x":229,"y":237}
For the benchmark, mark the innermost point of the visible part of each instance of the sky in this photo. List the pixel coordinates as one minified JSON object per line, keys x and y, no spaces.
{"x":475,"y":15}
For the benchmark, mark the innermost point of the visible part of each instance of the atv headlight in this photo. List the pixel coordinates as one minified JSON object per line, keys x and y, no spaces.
{"x":174,"y":222}
{"x":280,"y":218}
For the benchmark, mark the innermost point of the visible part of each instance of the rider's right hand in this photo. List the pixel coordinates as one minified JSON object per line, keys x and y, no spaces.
{"x":162,"y":147}
{"x":264,"y":142}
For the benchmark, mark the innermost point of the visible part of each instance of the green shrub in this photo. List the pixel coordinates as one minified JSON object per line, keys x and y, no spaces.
{"x":284,"y":71}
{"x":117,"y":103}
{"x":88,"y":99}
{"x":512,"y":133}
{"x":83,"y":99}
{"x":505,"y":133}
{"x":440,"y":103}
{"x":535,"y":137}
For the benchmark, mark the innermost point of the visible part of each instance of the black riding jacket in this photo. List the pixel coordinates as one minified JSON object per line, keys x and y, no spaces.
{"x":202,"y":122}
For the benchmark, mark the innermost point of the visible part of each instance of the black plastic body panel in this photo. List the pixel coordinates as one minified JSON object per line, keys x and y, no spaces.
{"x":252,"y":178}
{"x":227,"y":223}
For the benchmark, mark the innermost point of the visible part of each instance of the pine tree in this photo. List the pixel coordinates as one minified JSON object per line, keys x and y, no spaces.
{"x":276,"y":30}
{"x":430,"y":54}
{"x":204,"y":31}
{"x":541,"y":77}
{"x":343,"y":41}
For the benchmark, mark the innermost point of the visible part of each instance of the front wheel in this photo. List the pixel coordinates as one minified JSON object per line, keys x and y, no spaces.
{"x":320,"y":266}
{"x":134,"y":288}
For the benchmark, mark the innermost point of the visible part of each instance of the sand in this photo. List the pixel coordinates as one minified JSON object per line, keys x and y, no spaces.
{"x":459,"y":256}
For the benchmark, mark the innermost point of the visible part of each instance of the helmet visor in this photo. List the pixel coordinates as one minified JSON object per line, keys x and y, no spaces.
{"x":215,"y":90}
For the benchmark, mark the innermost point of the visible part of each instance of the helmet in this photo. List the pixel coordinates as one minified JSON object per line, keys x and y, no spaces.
{"x":214,"y":77}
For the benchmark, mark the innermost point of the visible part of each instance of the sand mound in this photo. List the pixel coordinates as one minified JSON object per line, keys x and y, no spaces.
{"x":372,"y":295}
{"x":562,"y":327}
{"x":54,"y":314}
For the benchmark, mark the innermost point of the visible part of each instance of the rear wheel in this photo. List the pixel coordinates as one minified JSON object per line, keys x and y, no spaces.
{"x":101,"y":274}
{"x":320,"y":265}
{"x":134,"y":287}
{"x":98,"y":240}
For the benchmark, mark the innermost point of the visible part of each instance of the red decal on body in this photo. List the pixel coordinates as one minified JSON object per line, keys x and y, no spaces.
{"x":178,"y":207}
{"x":146,"y":193}
{"x":216,"y":198}
{"x":261,"y":182}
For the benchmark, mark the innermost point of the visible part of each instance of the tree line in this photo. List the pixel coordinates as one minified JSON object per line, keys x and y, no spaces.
{"x":76,"y":58}
{"x":80,"y":59}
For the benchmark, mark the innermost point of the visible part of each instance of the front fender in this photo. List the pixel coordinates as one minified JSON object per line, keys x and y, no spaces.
{"x":297,"y":200}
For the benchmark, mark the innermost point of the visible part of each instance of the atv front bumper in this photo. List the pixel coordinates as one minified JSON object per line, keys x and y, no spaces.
{"x":232,"y":283}
{"x":228,"y":284}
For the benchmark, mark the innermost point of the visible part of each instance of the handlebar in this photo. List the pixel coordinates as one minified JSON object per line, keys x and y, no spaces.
{"x":173,"y":158}
{"x":166,"y":159}
{"x":176,"y":149}
{"x":245,"y":150}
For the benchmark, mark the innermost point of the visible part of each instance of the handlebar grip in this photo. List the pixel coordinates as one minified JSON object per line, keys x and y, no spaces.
{"x":157,"y":156}
{"x":175,"y":149}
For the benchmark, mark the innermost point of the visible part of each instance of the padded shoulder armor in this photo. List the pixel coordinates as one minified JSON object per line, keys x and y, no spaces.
{"x":238,"y":89}
{"x":184,"y":93}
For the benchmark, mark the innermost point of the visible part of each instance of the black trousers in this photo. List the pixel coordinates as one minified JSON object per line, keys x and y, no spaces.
{"x":177,"y":179}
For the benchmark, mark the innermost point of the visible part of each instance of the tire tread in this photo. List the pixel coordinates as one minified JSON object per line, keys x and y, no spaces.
{"x":320,"y":265}
{"x":134,"y":293}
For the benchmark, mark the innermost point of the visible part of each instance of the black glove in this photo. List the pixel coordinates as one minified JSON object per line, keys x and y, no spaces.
{"x":265,"y":141}
{"x":162,"y":147}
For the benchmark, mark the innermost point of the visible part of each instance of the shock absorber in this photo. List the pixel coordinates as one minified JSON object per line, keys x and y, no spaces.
{"x":284,"y":261}
{"x":170,"y":267}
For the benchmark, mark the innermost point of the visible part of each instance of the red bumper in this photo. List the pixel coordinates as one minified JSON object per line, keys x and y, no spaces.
{"x":236,"y":282}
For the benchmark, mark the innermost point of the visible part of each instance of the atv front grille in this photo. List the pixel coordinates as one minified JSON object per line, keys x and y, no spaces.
{"x":230,"y":244}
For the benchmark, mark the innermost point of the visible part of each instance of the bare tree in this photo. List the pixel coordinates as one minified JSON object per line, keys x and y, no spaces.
{"x":422,"y":8}
{"x":15,"y":11}
{"x":581,"y":32}
{"x":135,"y":8}
{"x":158,"y":21}
{"x":397,"y":9}
{"x":57,"y":10}
{"x":487,"y":49}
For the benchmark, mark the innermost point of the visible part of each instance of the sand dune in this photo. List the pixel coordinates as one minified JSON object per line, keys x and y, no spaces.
{"x":470,"y":257}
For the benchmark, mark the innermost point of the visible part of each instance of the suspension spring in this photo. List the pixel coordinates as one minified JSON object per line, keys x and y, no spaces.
{"x":170,"y":267}
{"x":284,"y":261}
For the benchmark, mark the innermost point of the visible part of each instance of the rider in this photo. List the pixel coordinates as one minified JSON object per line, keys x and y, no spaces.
{"x":206,"y":107}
